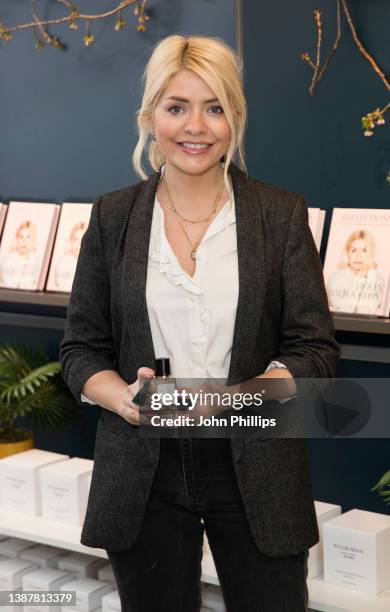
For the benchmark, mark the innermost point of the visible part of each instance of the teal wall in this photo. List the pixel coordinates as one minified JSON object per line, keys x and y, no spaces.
{"x":67,"y":125}
{"x":315,"y":146}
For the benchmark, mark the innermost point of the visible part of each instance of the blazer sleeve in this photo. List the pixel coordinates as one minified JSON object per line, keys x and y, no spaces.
{"x":87,"y":345}
{"x":307,"y":345}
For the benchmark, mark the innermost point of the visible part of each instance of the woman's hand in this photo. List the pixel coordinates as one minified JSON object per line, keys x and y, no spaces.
{"x":282,"y":390}
{"x":128,"y":409}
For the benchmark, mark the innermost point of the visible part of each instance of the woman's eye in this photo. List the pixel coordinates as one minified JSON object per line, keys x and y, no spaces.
{"x":172,"y":108}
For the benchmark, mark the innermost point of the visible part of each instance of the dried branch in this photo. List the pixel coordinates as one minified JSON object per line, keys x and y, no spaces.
{"x":72,"y":18}
{"x":376,"y":117}
{"x":334,"y":47}
{"x":361,"y":48}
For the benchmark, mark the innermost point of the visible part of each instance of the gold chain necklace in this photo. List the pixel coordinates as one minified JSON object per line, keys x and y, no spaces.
{"x":192,"y":220}
{"x":195,"y":245}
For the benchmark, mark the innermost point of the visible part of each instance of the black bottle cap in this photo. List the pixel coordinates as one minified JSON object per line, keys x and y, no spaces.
{"x":162,"y":367}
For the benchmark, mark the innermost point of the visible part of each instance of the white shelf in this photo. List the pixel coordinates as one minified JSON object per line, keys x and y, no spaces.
{"x":324,"y":597}
{"x":43,"y":531}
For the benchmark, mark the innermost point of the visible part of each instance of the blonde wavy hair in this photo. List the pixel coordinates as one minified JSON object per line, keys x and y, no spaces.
{"x":218,"y":65}
{"x":368,"y":238}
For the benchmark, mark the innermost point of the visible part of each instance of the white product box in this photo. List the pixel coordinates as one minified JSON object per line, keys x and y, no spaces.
{"x":212,"y":598}
{"x":65,"y":488}
{"x":13,"y":547}
{"x":89,"y":593}
{"x":357,"y":551}
{"x":106,"y":574}
{"x":208,"y":565}
{"x":20,"y":480}
{"x":81,"y":565}
{"x":111,"y":602}
{"x":44,"y":579}
{"x":324,"y":513}
{"x":43,"y":555}
{"x":12,"y":572}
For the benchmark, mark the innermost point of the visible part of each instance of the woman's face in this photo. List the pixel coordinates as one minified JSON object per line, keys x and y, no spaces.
{"x":358,"y":255}
{"x":24,"y":241}
{"x":188,"y":112}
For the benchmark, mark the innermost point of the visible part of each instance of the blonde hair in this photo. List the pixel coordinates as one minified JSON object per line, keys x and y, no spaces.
{"x":361,"y":234}
{"x":33,"y":232}
{"x":218,"y":65}
{"x":79,"y":226}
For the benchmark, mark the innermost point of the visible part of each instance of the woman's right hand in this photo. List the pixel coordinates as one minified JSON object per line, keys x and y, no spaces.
{"x":129,"y":410}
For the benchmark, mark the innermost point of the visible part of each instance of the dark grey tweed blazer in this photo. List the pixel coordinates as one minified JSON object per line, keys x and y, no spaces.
{"x":282,"y":314}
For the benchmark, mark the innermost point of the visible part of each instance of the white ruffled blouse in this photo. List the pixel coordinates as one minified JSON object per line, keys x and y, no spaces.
{"x":192,"y":318}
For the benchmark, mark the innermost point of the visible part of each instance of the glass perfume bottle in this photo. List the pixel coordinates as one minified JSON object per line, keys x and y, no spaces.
{"x":162,"y":383}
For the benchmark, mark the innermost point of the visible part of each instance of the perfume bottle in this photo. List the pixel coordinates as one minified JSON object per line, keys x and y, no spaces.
{"x":162,"y":383}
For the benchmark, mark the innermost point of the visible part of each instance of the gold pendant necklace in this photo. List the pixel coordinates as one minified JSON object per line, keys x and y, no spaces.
{"x":179,"y":216}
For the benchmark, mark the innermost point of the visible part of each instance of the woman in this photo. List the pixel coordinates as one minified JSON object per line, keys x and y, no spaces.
{"x":357,"y":286}
{"x":219,"y":272}
{"x":20,"y":267}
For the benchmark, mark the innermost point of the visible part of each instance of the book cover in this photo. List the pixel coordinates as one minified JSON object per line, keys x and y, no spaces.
{"x":3,"y":214}
{"x":26,"y":244}
{"x":316,"y":224}
{"x":357,"y":262}
{"x":74,"y":219}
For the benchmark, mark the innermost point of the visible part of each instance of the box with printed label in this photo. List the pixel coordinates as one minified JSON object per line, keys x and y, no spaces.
{"x":12,"y":572}
{"x":89,"y":592}
{"x":43,"y":555}
{"x":324,"y":513}
{"x":20,"y":480}
{"x":65,"y":489}
{"x":357,"y":551}
{"x":13,"y":547}
{"x":81,"y":565}
{"x":45,"y":579}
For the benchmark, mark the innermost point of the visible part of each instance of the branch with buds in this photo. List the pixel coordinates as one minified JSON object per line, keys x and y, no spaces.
{"x":376,"y":117}
{"x":73,"y":19}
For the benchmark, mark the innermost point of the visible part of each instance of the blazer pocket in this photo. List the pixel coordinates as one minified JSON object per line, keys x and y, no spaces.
{"x":118,"y":425}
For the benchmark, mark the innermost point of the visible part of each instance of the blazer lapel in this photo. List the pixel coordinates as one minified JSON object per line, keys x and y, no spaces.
{"x":251,"y":265}
{"x":251,"y":274}
{"x":134,"y":273}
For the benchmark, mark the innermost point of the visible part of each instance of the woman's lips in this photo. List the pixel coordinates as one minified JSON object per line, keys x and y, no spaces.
{"x":194,"y":151}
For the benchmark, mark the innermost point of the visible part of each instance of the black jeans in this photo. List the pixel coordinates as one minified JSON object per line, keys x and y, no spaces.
{"x":195,"y":488}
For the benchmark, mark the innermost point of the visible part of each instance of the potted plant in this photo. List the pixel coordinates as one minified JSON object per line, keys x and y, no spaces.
{"x":383,"y":487}
{"x":32,"y":387}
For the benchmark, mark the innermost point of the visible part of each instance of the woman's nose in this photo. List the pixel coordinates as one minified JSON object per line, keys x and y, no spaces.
{"x":195,"y":123}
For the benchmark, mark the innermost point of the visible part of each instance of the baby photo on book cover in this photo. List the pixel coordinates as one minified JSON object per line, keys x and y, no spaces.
{"x":26,"y":244}
{"x":74,"y":219}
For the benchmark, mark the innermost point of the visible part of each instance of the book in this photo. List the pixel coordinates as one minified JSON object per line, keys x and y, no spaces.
{"x":316,"y":224}
{"x":74,"y":219}
{"x":3,"y":214}
{"x":357,"y":262}
{"x":26,"y":244}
